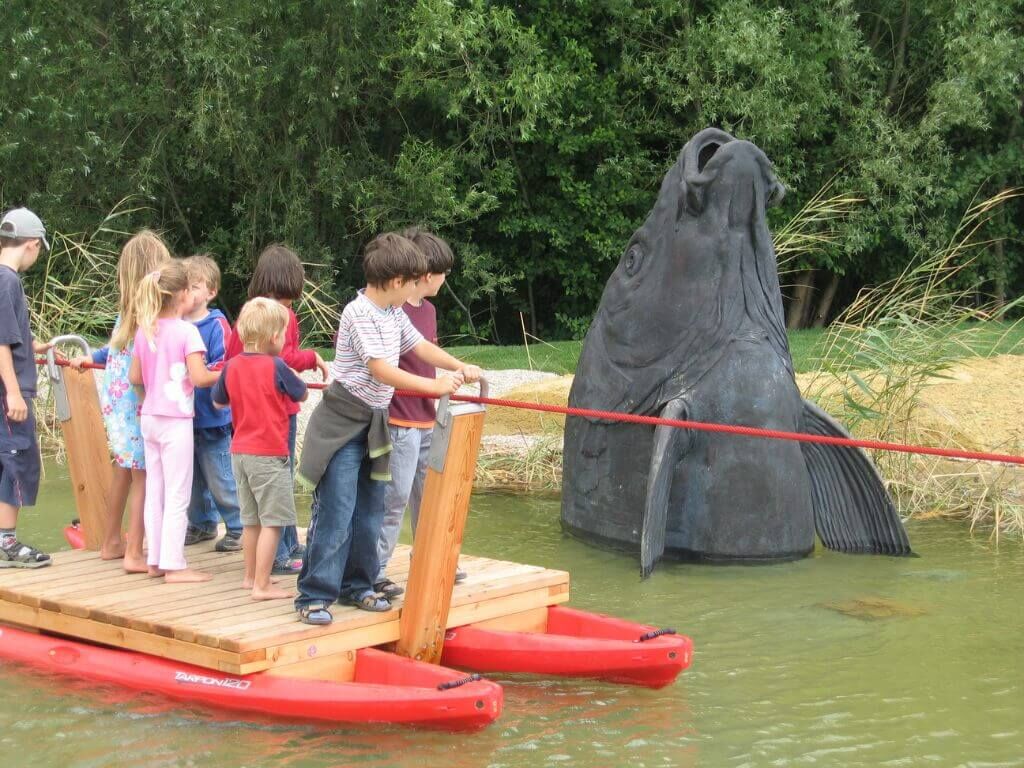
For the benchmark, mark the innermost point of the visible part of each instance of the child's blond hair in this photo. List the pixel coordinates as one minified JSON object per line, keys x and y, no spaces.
{"x":203,"y":267}
{"x":260,"y":320}
{"x":141,"y":255}
{"x":156,"y":292}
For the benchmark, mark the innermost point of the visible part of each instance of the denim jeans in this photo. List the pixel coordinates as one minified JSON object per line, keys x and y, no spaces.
{"x":410,"y":447}
{"x":341,"y":547}
{"x":289,"y":536}
{"x":212,"y":480}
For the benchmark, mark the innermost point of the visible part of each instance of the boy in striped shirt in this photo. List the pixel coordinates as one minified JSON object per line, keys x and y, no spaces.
{"x":347,"y":443}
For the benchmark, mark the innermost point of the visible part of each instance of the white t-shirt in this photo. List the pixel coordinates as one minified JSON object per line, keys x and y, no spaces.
{"x":367,"y":332}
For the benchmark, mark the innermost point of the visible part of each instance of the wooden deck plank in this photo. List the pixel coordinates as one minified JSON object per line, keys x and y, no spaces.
{"x":216,"y":624}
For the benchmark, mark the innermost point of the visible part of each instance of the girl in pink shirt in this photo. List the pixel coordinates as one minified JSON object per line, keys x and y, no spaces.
{"x":167,"y":361}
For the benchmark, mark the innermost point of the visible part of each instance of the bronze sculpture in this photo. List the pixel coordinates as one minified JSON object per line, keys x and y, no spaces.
{"x":690,"y":326}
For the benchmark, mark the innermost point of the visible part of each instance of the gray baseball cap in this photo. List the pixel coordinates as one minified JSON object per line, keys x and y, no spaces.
{"x":21,"y":222}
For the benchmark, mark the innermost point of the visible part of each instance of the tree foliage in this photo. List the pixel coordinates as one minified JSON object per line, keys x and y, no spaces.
{"x":532,"y":135}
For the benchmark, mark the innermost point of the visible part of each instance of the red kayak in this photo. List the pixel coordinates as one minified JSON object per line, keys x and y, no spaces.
{"x":574,"y":644}
{"x":386,"y":689}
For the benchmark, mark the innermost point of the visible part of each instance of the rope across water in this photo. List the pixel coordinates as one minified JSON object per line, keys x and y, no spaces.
{"x":701,"y":426}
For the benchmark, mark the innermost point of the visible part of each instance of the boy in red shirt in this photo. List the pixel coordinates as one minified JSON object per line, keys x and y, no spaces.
{"x":411,"y":419}
{"x":261,"y":390}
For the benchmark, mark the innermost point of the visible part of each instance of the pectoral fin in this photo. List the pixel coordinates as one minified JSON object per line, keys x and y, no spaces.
{"x":668,"y":448}
{"x":852,"y":510}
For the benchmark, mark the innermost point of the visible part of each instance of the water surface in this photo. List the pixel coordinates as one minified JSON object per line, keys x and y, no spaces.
{"x":780,"y":677}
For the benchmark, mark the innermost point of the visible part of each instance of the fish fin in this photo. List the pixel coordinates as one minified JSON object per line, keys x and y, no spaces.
{"x":852,"y":510}
{"x":668,"y":446}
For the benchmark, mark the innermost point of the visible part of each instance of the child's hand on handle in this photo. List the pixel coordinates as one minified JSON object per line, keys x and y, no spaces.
{"x":324,"y":371}
{"x":471,"y":373}
{"x":41,"y":347}
{"x":448,"y":384}
{"x":78,"y":362}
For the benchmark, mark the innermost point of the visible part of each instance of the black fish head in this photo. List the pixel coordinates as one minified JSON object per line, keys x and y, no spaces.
{"x":701,"y":260}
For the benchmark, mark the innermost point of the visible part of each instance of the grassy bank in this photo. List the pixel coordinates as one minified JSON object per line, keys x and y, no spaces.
{"x":807,"y":347}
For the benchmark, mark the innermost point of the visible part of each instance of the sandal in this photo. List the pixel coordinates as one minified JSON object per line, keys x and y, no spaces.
{"x":367,"y":601}
{"x":18,"y":555}
{"x":388,"y":588}
{"x":315,"y":613}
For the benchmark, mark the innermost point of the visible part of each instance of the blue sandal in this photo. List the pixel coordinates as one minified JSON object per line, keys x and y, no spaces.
{"x":315,"y":613}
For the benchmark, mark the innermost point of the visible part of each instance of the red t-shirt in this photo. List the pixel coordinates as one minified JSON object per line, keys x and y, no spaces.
{"x":416,"y":411}
{"x":295,"y":358}
{"x":259,"y":389}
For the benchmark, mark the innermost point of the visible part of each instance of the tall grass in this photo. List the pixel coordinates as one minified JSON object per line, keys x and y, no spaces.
{"x":894,"y":341}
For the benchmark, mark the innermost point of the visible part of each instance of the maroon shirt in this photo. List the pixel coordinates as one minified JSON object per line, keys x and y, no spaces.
{"x":416,"y":411}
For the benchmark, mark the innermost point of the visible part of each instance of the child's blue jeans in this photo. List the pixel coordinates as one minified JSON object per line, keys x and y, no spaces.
{"x":341,"y":546}
{"x":212,"y":450}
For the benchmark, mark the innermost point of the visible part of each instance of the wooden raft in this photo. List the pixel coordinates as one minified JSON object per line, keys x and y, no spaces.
{"x":217,"y":625}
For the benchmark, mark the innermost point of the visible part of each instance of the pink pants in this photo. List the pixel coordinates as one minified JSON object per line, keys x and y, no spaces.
{"x":168,"y":445}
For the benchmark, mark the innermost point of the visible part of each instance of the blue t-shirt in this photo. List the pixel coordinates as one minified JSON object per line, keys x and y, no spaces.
{"x":214,"y":330}
{"x":15,"y":332}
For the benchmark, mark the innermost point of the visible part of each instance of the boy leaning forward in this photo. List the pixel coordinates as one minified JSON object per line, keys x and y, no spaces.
{"x":346,"y":449}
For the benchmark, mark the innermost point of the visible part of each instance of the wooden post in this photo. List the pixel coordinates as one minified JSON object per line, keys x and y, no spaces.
{"x":449,"y":483}
{"x":85,"y":441}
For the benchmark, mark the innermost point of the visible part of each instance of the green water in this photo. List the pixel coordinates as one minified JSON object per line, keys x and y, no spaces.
{"x":778,"y":679}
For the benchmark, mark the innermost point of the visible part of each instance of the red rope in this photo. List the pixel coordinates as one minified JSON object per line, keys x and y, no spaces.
{"x":701,"y":426}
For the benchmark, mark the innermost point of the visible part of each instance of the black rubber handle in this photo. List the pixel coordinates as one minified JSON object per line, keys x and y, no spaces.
{"x":456,"y":683}
{"x":655,"y":633}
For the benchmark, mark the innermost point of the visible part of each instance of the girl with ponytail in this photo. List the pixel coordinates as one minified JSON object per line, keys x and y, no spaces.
{"x":168,"y":364}
{"x":121,"y":405}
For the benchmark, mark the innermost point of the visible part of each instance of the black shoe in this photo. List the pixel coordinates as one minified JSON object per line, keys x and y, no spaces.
{"x":230,"y":542}
{"x":195,"y":535}
{"x":388,"y":588}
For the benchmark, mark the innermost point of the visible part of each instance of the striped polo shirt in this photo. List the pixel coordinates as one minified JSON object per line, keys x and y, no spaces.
{"x":367,"y":332}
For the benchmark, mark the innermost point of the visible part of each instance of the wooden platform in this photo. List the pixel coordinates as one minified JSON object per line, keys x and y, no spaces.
{"x":217,"y":625}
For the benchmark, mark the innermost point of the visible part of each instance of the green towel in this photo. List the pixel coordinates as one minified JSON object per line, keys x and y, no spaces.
{"x":338,"y":418}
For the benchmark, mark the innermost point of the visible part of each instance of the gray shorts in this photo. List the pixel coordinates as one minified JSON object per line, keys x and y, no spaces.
{"x":265,"y":493}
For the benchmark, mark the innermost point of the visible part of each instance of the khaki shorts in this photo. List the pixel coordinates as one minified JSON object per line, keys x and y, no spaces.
{"x":265,"y":493}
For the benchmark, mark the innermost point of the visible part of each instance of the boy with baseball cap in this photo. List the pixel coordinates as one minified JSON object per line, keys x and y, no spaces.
{"x":22,"y":235}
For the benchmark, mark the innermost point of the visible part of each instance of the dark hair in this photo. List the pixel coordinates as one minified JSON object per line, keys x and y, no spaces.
{"x":278,"y":274}
{"x":440,"y":258}
{"x":16,"y":242}
{"x":389,"y":256}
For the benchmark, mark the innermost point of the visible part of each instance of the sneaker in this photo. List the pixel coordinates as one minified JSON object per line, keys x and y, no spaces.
{"x":18,"y":555}
{"x":299,"y":551}
{"x":230,"y":542}
{"x":460,"y":575}
{"x":286,"y":568}
{"x":195,"y":535}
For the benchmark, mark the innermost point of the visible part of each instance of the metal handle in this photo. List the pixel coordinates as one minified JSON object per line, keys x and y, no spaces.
{"x":52,"y":370}
{"x":443,"y":403}
{"x":60,"y":395}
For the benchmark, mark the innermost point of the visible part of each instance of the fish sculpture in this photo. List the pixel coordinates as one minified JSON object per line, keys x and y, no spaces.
{"x":690,"y":326}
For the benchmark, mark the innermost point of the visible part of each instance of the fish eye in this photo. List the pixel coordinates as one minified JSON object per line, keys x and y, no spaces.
{"x":634,"y":258}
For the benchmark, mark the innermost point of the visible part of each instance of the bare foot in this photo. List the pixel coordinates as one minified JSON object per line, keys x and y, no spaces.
{"x":186,"y":576}
{"x":137,"y":565}
{"x":111,"y":553}
{"x":270,"y":593}
{"x":249,"y":583}
{"x":153,"y":571}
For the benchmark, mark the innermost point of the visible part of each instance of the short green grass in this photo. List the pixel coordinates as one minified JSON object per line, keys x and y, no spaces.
{"x":994,"y":338}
